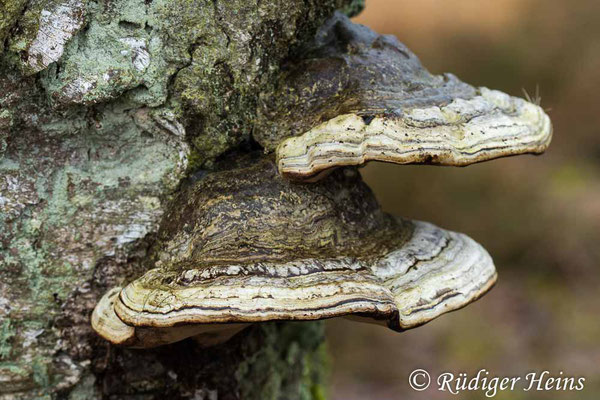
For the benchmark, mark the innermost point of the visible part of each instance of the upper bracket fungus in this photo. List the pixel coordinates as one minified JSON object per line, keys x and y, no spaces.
{"x":245,"y":245}
{"x":356,"y":96}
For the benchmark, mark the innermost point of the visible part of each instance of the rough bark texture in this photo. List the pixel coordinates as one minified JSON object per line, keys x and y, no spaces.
{"x":105,"y":107}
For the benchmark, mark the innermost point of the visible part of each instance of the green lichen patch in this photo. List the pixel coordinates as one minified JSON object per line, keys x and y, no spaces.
{"x":76,"y":191}
{"x":118,"y":51}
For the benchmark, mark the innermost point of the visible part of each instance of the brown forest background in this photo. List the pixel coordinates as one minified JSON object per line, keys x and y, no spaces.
{"x":539,"y":217}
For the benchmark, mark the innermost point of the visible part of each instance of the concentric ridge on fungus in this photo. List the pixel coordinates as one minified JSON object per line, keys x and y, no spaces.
{"x":245,"y":245}
{"x":357,"y":96}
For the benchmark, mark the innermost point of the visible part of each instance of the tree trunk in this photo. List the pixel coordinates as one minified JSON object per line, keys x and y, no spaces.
{"x":106,"y":106}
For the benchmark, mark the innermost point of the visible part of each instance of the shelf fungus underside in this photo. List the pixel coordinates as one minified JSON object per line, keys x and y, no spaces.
{"x":244,"y":245}
{"x":357,"y":96}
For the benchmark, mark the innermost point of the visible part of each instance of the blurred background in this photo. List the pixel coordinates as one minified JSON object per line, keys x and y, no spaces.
{"x":539,"y":217}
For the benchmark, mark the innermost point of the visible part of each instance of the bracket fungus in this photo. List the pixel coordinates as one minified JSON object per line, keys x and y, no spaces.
{"x":356,"y":96}
{"x":245,"y":245}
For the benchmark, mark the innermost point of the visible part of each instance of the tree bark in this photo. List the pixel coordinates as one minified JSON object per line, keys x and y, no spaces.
{"x":106,"y":107}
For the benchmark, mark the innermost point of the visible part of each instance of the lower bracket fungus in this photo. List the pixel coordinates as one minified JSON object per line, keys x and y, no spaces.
{"x":245,"y":245}
{"x":355,"y":96}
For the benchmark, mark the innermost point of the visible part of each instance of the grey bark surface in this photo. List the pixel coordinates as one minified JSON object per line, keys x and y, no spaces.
{"x":106,"y":108}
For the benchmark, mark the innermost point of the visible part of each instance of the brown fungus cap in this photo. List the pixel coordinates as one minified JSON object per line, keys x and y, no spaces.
{"x":357,"y":96}
{"x":245,"y":245}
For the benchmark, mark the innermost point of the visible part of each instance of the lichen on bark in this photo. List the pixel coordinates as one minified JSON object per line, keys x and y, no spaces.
{"x":106,"y":107}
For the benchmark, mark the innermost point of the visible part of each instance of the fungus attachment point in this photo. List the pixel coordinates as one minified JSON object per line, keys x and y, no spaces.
{"x":245,"y":245}
{"x":357,"y":96}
